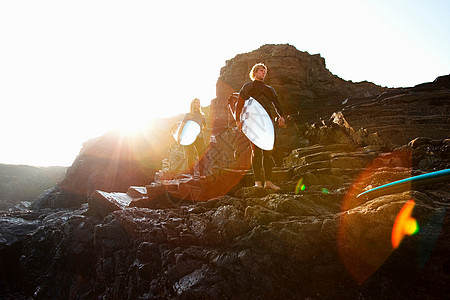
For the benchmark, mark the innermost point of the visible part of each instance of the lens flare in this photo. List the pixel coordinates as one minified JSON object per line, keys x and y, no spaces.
{"x":300,"y":186}
{"x":404,"y":224}
{"x":325,"y":191}
{"x":363,"y":254}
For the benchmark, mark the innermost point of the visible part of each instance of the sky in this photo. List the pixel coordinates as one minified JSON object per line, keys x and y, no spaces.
{"x":72,"y":70}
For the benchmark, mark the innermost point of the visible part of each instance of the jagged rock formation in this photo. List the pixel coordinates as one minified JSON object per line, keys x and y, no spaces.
{"x":400,"y":115}
{"x":312,"y":239}
{"x":304,"y":85}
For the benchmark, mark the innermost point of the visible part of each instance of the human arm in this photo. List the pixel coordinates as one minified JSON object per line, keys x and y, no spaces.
{"x":243,"y":94}
{"x":239,"y":106}
{"x":180,"y":129}
{"x":183,"y":122}
{"x":204,"y":125}
{"x":281,"y":122}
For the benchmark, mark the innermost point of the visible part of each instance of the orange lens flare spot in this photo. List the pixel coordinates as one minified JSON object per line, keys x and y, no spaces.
{"x":404,"y":224}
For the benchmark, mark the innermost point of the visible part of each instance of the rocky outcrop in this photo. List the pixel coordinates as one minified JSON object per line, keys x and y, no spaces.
{"x":304,"y":85}
{"x":400,"y":115}
{"x":112,"y":162}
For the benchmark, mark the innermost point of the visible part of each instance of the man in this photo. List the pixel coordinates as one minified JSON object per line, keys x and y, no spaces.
{"x":268,"y":98}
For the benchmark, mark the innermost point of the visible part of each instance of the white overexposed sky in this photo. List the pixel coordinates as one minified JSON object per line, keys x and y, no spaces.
{"x":71,"y":70}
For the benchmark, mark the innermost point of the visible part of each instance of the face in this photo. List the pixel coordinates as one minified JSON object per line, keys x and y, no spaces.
{"x":260,"y":74}
{"x":197,"y":104}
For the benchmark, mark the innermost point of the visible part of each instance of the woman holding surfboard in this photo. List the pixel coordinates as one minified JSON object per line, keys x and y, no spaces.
{"x":198,"y":117}
{"x":267,"y":97}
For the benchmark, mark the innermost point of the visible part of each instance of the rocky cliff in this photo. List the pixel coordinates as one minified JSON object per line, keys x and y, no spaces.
{"x":312,"y":239}
{"x":304,"y":85}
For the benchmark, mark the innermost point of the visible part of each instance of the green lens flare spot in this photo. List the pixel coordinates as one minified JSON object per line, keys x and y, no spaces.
{"x":300,"y":186}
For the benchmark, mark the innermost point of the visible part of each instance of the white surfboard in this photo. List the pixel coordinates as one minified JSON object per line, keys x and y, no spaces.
{"x":257,"y":124}
{"x":190,"y":132}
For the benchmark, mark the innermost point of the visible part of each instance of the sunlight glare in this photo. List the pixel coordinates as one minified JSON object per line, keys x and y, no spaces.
{"x":131,"y":124}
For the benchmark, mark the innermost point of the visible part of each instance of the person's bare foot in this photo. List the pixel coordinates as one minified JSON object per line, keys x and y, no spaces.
{"x":270,"y":185}
{"x":258,"y":184}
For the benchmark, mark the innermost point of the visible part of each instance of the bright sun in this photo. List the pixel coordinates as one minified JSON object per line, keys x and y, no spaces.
{"x":131,"y":124}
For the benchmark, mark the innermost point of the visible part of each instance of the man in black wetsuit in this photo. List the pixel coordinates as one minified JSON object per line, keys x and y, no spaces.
{"x":268,"y":98}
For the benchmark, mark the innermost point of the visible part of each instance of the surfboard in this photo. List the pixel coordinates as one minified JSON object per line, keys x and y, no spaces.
{"x":397,"y":186}
{"x":189,"y":133}
{"x":257,"y":125}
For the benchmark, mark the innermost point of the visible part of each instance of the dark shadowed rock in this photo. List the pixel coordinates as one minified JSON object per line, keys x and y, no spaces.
{"x":103,"y":203}
{"x":401,"y":115}
{"x":14,"y":228}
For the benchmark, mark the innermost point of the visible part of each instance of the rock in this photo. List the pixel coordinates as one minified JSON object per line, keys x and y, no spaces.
{"x":14,"y":228}
{"x":257,"y":215}
{"x":137,"y":191}
{"x":253,"y":192}
{"x":399,"y":116}
{"x":103,"y":203}
{"x":57,"y":197}
{"x":112,"y":162}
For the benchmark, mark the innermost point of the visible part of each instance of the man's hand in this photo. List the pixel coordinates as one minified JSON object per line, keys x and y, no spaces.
{"x":239,"y":125}
{"x":281,"y":122}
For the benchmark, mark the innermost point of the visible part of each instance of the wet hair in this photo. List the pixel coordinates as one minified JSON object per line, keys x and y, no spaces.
{"x":192,"y":106}
{"x":255,"y":69}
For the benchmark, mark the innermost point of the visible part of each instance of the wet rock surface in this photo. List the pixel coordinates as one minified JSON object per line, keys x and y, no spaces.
{"x":311,"y":239}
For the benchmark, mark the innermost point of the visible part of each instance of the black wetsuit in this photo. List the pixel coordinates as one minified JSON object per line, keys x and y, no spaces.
{"x":199,"y":144}
{"x":268,"y":98}
{"x":265,"y":95}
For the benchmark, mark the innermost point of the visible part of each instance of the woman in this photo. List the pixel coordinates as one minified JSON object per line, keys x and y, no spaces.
{"x":198,"y":116}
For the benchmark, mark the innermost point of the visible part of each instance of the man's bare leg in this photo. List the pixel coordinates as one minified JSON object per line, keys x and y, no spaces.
{"x":270,"y":185}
